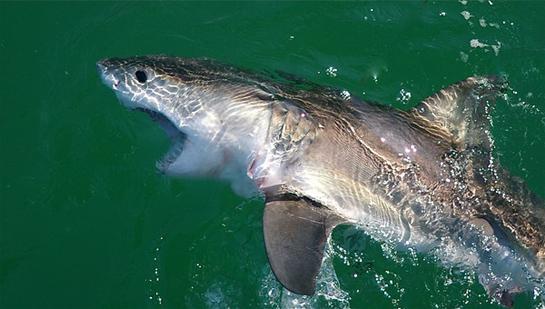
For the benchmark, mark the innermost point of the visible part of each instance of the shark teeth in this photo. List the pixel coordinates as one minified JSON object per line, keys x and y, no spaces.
{"x":170,"y":157}
{"x":177,"y":137}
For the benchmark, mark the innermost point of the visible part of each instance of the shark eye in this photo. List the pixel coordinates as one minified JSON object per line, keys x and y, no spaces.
{"x":141,"y":76}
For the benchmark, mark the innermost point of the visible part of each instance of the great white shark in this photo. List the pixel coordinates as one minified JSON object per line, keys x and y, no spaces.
{"x":424,"y":178}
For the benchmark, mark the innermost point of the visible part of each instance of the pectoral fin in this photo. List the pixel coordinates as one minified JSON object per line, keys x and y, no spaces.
{"x":295,"y":233}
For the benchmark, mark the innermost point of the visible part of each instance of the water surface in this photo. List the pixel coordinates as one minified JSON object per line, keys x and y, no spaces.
{"x":87,"y":222}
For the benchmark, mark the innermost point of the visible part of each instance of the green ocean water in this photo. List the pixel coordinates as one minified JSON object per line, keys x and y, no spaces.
{"x":87,"y":222}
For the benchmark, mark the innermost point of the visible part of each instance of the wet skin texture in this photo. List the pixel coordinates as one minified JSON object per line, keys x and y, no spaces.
{"x":423,"y":179}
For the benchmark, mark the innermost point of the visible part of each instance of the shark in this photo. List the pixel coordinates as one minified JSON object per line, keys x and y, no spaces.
{"x":425,"y":178}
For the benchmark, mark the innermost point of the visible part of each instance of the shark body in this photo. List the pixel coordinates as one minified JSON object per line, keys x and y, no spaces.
{"x":424,"y":178}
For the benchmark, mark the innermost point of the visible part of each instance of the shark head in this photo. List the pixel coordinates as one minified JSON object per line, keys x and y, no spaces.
{"x":216,"y":116}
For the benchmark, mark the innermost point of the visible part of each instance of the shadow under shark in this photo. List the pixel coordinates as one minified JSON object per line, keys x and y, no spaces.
{"x":423,"y":179}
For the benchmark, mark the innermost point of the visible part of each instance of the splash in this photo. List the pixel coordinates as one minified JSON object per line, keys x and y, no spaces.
{"x":328,"y":292}
{"x":404,"y":96}
{"x":331,"y":71}
{"x":475,"y":43}
{"x":154,"y":281}
{"x":466,"y":15}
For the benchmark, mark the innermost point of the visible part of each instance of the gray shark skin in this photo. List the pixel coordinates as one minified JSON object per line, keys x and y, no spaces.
{"x":424,"y":178}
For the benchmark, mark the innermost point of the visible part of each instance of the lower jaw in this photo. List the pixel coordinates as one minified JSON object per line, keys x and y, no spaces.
{"x":172,"y":154}
{"x":176,"y":136}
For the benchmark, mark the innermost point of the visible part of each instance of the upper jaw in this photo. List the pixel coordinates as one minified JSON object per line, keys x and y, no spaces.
{"x":111,"y":80}
{"x":107,"y":73}
{"x":107,"y":76}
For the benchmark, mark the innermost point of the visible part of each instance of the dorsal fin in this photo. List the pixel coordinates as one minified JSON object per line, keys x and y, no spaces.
{"x":461,"y":111}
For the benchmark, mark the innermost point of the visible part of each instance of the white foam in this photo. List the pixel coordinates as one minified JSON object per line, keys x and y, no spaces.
{"x":466,"y":15}
{"x":331,"y":71}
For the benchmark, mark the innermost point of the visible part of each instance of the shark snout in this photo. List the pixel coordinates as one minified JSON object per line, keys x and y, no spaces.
{"x":101,"y":67}
{"x":105,"y":71}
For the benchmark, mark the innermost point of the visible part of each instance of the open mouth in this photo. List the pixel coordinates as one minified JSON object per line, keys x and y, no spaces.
{"x":176,"y":136}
